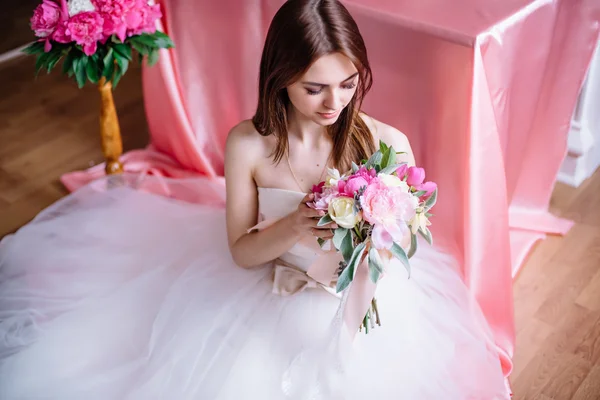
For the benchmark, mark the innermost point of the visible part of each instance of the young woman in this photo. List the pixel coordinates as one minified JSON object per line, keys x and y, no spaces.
{"x":121,"y":294}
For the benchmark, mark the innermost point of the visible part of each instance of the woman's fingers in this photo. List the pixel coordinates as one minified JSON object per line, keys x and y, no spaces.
{"x":322,"y":233}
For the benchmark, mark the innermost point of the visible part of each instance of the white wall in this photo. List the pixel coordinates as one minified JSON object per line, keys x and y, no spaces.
{"x":583,"y":156}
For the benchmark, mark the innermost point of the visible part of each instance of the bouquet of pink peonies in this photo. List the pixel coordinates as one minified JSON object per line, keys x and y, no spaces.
{"x":95,"y":37}
{"x":378,"y":206}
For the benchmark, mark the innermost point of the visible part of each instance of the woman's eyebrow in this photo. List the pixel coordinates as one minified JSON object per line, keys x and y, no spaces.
{"x":324,"y":85}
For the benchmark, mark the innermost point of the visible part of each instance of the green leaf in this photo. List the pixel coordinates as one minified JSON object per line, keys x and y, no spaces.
{"x":34,"y":48}
{"x":81,"y":71}
{"x":426,"y":235}
{"x":357,"y":255}
{"x":348,"y":273}
{"x":146,"y":39}
{"x":375,"y":265}
{"x":325,"y":219}
{"x":53,"y":59}
{"x":375,"y":160}
{"x":355,"y":167}
{"x":419,"y":193}
{"x":123,"y":50}
{"x":153,"y":57}
{"x":374,"y":274}
{"x":389,"y":157}
{"x":92,"y":71}
{"x":413,"y":246}
{"x":338,"y":236}
{"x":346,"y":247}
{"x":116,"y":78}
{"x":122,"y":62}
{"x":321,"y":241}
{"x":162,"y":40}
{"x":391,"y":169}
{"x":41,"y":62}
{"x":384,"y":156}
{"x":68,"y":63}
{"x":139,"y":47}
{"x":383,"y":146}
{"x":345,"y":278}
{"x":109,"y":65}
{"x":399,"y":253}
{"x":430,"y":202}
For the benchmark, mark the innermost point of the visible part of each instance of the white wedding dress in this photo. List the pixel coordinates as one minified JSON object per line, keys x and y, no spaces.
{"x":122,"y":294}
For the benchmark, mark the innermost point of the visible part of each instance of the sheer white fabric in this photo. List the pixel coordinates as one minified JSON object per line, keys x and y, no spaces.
{"x":118,"y":293}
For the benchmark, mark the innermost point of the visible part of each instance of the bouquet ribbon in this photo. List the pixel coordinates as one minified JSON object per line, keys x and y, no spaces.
{"x":322,"y":271}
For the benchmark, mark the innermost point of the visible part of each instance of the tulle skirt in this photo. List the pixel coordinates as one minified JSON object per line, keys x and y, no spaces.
{"x":123,"y":294}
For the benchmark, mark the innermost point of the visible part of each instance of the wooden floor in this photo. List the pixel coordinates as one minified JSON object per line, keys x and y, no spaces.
{"x":48,"y":127}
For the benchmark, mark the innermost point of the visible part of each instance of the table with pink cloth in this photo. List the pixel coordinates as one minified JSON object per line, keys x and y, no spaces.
{"x":484,"y":90}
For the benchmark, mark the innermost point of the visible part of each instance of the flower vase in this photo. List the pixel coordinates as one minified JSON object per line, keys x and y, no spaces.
{"x":110,"y":132}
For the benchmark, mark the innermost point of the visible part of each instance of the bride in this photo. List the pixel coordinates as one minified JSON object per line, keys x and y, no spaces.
{"x":116,"y":292}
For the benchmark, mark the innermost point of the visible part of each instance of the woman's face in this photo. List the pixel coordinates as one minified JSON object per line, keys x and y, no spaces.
{"x":325,"y":89}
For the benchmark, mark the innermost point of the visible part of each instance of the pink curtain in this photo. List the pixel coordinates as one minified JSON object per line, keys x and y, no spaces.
{"x":484,"y":91}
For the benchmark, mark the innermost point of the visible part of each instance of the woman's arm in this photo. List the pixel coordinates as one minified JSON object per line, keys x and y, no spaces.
{"x":243,"y":151}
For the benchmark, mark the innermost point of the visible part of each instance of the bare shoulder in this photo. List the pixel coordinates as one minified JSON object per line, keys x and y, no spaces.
{"x":390,"y":136}
{"x":382,"y":131}
{"x":244,"y":145}
{"x":243,"y":134}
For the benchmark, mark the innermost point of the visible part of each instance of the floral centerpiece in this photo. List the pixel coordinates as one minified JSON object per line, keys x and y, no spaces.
{"x":96,"y":39}
{"x":379,"y":206}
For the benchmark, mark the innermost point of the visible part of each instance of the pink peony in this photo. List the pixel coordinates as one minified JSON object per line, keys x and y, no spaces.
{"x":143,"y":19}
{"x":387,"y":209}
{"x":45,"y":18}
{"x":368,"y":174}
{"x":322,"y":199}
{"x":86,"y":30}
{"x":354,"y":182}
{"x":61,"y":34}
{"x":402,"y":170}
{"x":127,"y":17}
{"x":416,"y":176}
{"x":429,"y":187}
{"x":352,"y":185}
{"x":318,"y":188}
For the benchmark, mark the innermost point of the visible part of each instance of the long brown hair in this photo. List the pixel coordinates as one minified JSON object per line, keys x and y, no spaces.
{"x":301,"y":32}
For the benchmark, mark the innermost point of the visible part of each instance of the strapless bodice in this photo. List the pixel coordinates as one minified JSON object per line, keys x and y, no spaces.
{"x":277,"y":203}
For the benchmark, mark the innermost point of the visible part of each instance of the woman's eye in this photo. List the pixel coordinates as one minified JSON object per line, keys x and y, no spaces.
{"x":313,"y":92}
{"x":350,"y":86}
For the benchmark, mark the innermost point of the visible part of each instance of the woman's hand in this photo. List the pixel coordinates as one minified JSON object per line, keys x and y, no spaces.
{"x":304,"y":220}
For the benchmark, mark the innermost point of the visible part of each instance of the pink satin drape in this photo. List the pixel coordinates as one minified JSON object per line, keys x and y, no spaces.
{"x":484,"y":89}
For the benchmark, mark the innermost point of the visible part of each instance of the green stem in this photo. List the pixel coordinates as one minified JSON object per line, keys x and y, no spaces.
{"x":358,"y":233}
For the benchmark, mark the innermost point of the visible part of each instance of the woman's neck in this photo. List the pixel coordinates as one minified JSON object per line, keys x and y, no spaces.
{"x":307,"y":132}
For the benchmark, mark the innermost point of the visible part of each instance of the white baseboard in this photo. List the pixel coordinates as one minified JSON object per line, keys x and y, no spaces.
{"x":13,"y":54}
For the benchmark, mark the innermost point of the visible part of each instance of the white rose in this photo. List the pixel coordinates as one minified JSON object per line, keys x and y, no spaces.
{"x":393,"y":181}
{"x":341,"y":211}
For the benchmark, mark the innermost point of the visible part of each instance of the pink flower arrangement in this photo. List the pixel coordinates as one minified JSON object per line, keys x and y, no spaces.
{"x":94,"y":21}
{"x":379,"y":207}
{"x":105,"y":29}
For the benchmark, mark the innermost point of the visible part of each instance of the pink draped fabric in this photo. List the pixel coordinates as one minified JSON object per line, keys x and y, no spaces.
{"x":484,"y":90}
